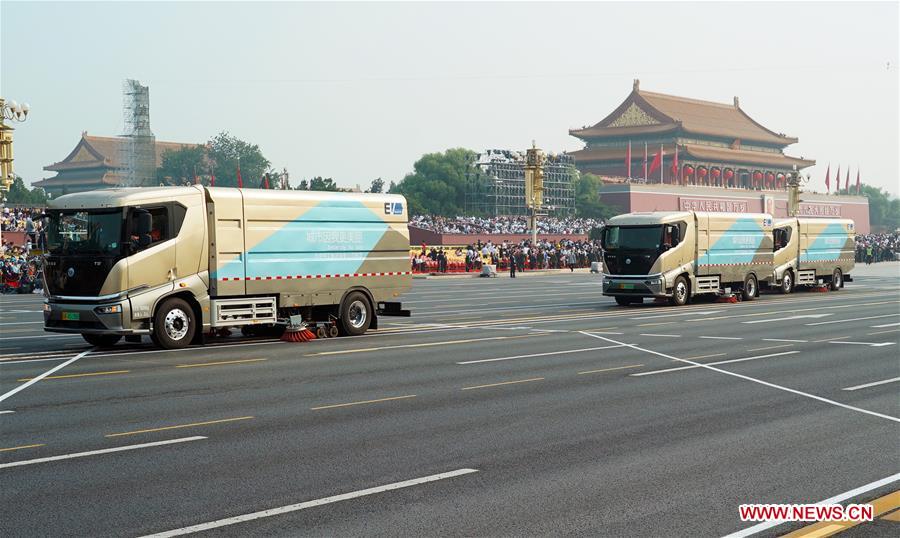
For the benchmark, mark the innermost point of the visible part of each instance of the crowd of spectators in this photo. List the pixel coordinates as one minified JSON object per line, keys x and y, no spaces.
{"x":20,"y":219}
{"x":523,"y":255}
{"x":503,"y":225}
{"x":21,"y":271}
{"x":881,"y":247}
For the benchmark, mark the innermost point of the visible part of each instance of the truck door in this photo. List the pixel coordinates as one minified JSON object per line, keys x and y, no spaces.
{"x":153,"y":264}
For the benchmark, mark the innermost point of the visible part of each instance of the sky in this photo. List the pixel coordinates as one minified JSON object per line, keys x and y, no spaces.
{"x":356,"y":91}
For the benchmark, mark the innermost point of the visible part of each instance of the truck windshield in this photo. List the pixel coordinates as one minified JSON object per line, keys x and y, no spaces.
{"x":632,"y":237}
{"x":85,"y":232}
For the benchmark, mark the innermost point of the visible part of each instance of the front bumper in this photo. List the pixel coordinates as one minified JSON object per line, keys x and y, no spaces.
{"x":637,"y":286}
{"x":84,"y":318}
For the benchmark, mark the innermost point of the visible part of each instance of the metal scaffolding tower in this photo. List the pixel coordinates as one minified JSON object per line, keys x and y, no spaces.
{"x":495,"y":184}
{"x":138,"y":148}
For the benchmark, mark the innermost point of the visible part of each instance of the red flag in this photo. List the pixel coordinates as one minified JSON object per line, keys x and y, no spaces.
{"x":837,"y":180}
{"x":196,"y":179}
{"x":628,"y":159}
{"x":657,"y":159}
{"x":828,"y":179}
{"x":212,"y":180}
{"x":645,"y":161}
{"x":847,"y":183}
{"x":239,"y":180}
{"x":266,"y":181}
{"x":857,"y":181}
{"x":675,"y":177}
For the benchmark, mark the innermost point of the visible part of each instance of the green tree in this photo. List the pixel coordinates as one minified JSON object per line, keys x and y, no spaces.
{"x":392,"y":188}
{"x":437,"y":185}
{"x":225,"y":151}
{"x":319,"y":183}
{"x":181,"y":165}
{"x":377,"y":185}
{"x":884,"y":209}
{"x":19,"y":194}
{"x":303,"y":186}
{"x":587,"y":197}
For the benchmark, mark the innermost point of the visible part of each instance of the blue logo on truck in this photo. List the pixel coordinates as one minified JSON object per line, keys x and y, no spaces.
{"x":393,"y":208}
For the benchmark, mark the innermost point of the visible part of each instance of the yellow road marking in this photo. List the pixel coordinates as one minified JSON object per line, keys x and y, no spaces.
{"x":599,"y":330}
{"x":504,"y":383}
{"x":425,"y":344}
{"x":363,"y":402}
{"x":770,"y":347}
{"x":179,"y":426}
{"x":659,"y":323}
{"x":828,"y":339}
{"x":882,"y":332}
{"x":68,"y":376}
{"x":20,"y":447}
{"x":893,"y":516}
{"x":705,"y":356}
{"x":218,"y":363}
{"x":827,"y":528}
{"x":610,"y":369}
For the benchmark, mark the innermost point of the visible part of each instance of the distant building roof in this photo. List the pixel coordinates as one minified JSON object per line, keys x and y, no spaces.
{"x":645,"y":112}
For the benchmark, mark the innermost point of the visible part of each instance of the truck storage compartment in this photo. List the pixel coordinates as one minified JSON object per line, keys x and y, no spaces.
{"x":243,"y":311}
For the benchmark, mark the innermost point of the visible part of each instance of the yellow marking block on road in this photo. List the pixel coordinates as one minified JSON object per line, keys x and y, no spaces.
{"x":69,"y":376}
{"x":332,"y":406}
{"x":20,"y":447}
{"x":503,"y":383}
{"x":218,"y":363}
{"x":827,"y":528}
{"x":179,"y":426}
{"x":770,"y":347}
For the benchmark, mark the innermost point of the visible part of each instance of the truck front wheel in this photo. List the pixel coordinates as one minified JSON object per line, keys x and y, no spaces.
{"x":101,"y":340}
{"x":355,"y":314}
{"x":174,"y":324}
{"x":837,"y":280}
{"x":750,"y":288}
{"x":681,"y":292}
{"x":787,"y":282}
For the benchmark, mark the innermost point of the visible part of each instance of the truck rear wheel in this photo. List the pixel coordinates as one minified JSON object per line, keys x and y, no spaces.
{"x":837,"y":280}
{"x":174,"y":324}
{"x":355,"y":314}
{"x":681,"y":292}
{"x":787,"y":282}
{"x":751,"y":288}
{"x":101,"y":340}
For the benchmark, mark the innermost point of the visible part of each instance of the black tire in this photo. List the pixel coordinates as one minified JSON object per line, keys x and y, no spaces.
{"x":355,"y":314}
{"x":751,"y":288}
{"x":174,"y":324}
{"x":837,"y":280}
{"x":623,"y":301}
{"x":681,"y":292}
{"x":101,"y":340}
{"x":787,"y":282}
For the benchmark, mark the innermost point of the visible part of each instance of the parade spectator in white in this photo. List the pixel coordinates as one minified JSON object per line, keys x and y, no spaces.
{"x":503,"y":225}
{"x":872,"y":248}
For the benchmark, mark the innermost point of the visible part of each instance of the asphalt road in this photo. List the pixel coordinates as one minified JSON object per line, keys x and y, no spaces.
{"x":553,"y":410}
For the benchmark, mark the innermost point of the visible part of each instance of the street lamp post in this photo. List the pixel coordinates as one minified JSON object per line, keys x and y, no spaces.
{"x":11,"y":111}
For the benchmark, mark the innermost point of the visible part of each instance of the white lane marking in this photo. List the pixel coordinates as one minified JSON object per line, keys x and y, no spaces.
{"x":6,"y":412}
{"x":874,"y":384}
{"x":852,"y":319}
{"x":691,"y":313}
{"x":784,"y":340}
{"x":662,"y":335}
{"x":667,"y":370}
{"x":885,"y":325}
{"x":101,"y":451}
{"x":747,"y":378}
{"x":801,"y":316}
{"x":549,"y":330}
{"x":41,"y":335}
{"x":45,"y":374}
{"x":870,"y":344}
{"x":310,"y":504}
{"x":566,"y":352}
{"x":24,"y":323}
{"x":759,"y":527}
{"x":722,"y":337}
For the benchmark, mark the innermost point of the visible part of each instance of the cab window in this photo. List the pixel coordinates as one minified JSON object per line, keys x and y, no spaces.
{"x":782,"y":236}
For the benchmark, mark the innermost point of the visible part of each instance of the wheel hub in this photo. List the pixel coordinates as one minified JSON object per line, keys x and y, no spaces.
{"x":176,"y":324}
{"x":357,"y":314}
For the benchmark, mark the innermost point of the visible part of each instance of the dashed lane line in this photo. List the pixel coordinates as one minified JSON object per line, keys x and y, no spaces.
{"x":873,"y":384}
{"x":530,"y":355}
{"x":870,"y":344}
{"x":770,"y":347}
{"x":662,"y":335}
{"x":516,"y":382}
{"x":363,"y":402}
{"x":42,"y":376}
{"x":310,"y":504}
{"x":751,"y":379}
{"x":699,"y":365}
{"x":722,"y":337}
{"x":610,"y":369}
{"x":423,"y":344}
{"x":218,"y":363}
{"x":10,"y":449}
{"x":851,"y":319}
{"x":785,"y":340}
{"x":886,"y":325}
{"x":178,"y":426}
{"x":70,"y":376}
{"x":102,"y":451}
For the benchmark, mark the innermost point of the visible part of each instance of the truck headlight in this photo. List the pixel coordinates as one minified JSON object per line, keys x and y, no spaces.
{"x":111,"y":309}
{"x":47,"y":307}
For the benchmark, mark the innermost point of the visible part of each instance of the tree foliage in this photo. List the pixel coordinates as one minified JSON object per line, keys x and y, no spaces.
{"x":587,"y":198}
{"x":437,"y":185}
{"x":320,"y":183}
{"x":884,"y":209}
{"x":182,"y":165}
{"x":19,"y":194}
{"x":225,"y":151}
{"x":377,"y":185}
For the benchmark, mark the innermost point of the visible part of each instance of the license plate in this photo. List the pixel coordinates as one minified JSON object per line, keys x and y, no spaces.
{"x":71,"y":316}
{"x":627,"y":286}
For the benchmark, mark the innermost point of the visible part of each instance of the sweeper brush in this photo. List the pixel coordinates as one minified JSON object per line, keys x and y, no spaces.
{"x":296,"y":331}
